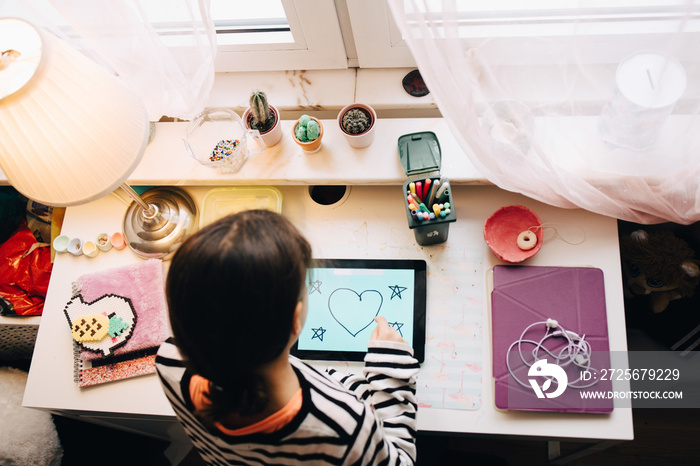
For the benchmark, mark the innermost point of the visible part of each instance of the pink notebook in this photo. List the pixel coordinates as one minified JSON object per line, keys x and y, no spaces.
{"x":573,"y":296}
{"x":142,"y":283}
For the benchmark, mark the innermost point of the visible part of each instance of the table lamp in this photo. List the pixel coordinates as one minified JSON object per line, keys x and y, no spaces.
{"x":71,"y":132}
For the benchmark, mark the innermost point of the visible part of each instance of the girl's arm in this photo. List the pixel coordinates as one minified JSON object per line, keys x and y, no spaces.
{"x":388,"y":385}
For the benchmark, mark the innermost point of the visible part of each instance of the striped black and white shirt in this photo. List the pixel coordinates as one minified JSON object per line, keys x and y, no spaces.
{"x":362,"y":419}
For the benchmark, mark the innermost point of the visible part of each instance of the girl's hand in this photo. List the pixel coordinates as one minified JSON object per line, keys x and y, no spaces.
{"x":384,"y":332}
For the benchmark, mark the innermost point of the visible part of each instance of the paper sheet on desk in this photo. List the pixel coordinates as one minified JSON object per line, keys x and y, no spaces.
{"x":450,"y":377}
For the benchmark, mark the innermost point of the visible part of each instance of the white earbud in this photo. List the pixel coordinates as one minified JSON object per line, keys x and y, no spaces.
{"x":551,"y":323}
{"x":565,"y":333}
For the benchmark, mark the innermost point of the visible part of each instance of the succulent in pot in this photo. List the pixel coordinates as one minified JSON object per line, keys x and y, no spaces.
{"x":357,"y":122}
{"x":264,"y":117}
{"x":308,"y":132}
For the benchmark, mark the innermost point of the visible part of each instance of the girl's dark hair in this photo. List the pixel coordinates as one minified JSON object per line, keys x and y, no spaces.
{"x":232,"y":289}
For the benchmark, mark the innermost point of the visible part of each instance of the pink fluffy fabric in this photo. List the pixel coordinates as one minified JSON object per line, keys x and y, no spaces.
{"x":143,"y":284}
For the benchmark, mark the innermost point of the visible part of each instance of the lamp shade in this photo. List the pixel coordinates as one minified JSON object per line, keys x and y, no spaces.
{"x":70,"y":131}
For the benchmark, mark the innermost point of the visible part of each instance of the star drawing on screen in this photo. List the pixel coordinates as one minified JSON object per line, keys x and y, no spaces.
{"x":318,"y":333}
{"x":396,"y":291}
{"x":315,"y":286}
{"x":397,"y":326}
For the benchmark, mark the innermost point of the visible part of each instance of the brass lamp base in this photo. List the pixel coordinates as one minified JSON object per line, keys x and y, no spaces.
{"x":157,"y":232}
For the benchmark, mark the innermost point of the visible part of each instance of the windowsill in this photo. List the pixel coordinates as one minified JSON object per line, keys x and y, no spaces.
{"x":166,"y":162}
{"x":321,"y":93}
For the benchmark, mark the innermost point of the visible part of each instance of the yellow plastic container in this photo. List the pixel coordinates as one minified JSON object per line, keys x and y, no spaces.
{"x":220,"y":202}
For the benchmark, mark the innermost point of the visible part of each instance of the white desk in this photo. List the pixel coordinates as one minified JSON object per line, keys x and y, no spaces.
{"x":371,"y":222}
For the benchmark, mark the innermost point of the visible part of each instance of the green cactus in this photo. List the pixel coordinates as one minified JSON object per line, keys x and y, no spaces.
{"x":313,"y":131}
{"x":307,"y":130}
{"x":356,"y":121}
{"x":300,"y":133}
{"x":263,"y":119}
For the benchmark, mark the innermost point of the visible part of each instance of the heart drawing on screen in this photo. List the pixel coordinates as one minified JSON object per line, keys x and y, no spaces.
{"x":355,"y":311}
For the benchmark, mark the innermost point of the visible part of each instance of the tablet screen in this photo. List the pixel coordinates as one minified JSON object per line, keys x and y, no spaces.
{"x":344,"y":297}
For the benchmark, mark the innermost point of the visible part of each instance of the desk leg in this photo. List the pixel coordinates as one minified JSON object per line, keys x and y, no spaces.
{"x":555,"y":457}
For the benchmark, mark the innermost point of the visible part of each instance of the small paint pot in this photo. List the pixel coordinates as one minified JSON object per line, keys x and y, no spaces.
{"x":102,"y":242}
{"x":75,"y":246}
{"x":118,"y":241}
{"x":90,"y":249}
{"x":60,"y":243}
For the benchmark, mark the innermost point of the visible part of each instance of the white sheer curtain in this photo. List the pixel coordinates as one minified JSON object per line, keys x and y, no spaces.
{"x":536,"y":100}
{"x":164,"y":50}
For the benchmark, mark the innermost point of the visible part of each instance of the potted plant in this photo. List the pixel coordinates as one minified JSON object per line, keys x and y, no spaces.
{"x":357,"y":123}
{"x":264,"y":117}
{"x":307,"y":132}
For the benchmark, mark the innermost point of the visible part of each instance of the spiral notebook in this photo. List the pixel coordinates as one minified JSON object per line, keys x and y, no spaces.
{"x":132,"y":300}
{"x":523,"y":295}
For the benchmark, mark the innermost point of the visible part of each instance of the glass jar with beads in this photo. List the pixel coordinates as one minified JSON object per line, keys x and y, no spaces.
{"x":218,"y":139}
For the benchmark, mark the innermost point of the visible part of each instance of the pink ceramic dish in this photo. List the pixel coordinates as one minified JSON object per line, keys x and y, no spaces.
{"x":501,"y":232}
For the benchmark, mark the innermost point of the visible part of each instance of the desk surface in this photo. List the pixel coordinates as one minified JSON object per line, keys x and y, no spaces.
{"x":370,"y":222}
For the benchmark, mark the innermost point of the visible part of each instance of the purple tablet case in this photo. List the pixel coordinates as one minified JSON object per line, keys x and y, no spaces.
{"x":523,"y":295}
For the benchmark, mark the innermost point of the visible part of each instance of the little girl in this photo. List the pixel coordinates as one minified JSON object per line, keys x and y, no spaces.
{"x":236,"y":293}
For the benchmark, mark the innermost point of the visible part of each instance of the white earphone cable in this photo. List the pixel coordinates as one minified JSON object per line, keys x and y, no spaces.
{"x":577,"y":351}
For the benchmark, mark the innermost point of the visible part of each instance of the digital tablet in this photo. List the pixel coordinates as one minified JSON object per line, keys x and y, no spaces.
{"x":344,"y":297}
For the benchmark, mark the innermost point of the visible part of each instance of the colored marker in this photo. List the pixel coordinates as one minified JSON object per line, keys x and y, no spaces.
{"x":426,"y":188}
{"x":433,"y":191}
{"x":412,"y":187}
{"x":443,"y":187}
{"x":423,"y":208}
{"x":445,"y":196}
{"x":419,"y":191}
{"x":436,"y":209}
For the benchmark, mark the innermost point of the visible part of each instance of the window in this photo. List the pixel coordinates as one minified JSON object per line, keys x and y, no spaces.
{"x":261,"y":35}
{"x":278,"y":35}
{"x":266,"y":35}
{"x":509,"y":29}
